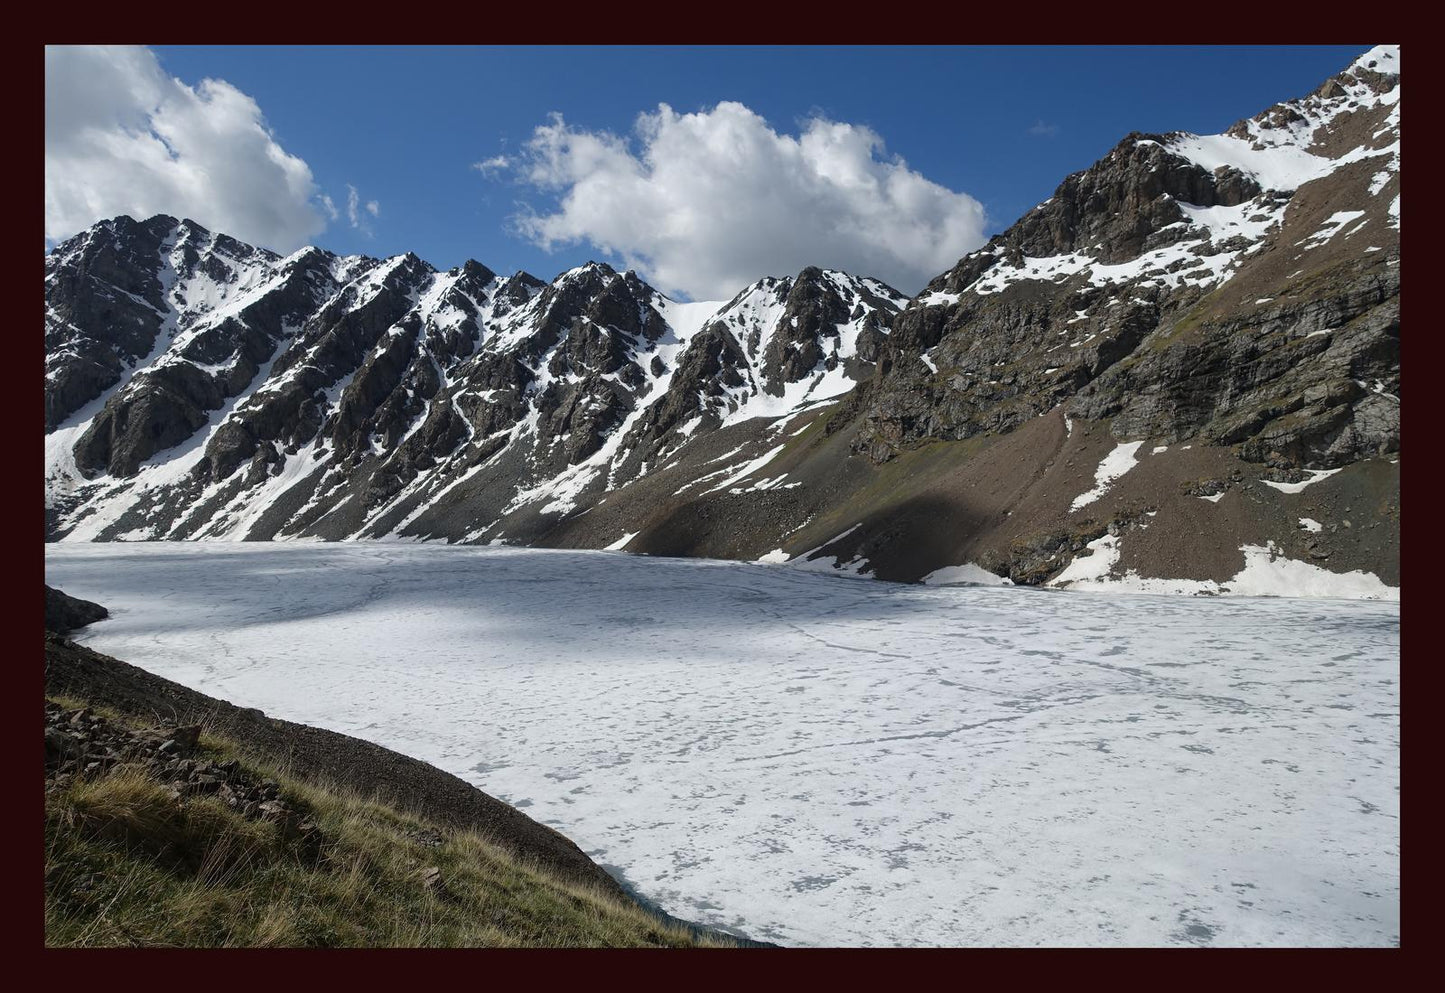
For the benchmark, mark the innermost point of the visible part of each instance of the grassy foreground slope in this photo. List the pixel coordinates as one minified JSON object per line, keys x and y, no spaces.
{"x":162,"y":834}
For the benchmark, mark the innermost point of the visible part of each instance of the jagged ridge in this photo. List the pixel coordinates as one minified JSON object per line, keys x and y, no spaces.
{"x":1234,"y":294}
{"x":237,"y":380}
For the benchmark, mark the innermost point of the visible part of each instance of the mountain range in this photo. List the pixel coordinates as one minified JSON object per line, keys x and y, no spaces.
{"x":1180,"y":373}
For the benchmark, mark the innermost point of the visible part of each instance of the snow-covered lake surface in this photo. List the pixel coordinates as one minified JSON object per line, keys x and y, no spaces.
{"x":822,"y":761}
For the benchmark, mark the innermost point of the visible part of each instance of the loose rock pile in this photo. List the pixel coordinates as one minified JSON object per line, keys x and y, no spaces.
{"x":82,"y":744}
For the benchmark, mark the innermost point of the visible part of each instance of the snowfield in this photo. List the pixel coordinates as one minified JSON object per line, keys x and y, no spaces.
{"x":815,"y":761}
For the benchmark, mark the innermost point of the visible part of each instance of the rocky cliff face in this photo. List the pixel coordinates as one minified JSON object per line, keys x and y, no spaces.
{"x":1241,"y":288}
{"x":239,"y":394}
{"x":1159,"y":358}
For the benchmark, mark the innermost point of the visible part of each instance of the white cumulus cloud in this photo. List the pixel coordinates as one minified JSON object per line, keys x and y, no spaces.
{"x":705,"y":203}
{"x":124,"y":137}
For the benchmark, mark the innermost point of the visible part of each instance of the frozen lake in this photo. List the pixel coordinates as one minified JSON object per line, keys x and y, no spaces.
{"x":823,"y":761}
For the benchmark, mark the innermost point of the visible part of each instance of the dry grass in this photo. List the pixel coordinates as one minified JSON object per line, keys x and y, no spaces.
{"x":127,"y":864}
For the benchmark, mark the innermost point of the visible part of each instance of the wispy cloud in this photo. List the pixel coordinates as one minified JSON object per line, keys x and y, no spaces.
{"x":1041,"y":130}
{"x":488,"y":167}
{"x":354,"y":208}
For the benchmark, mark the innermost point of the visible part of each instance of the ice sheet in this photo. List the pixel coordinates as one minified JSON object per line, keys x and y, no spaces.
{"x":815,"y":761}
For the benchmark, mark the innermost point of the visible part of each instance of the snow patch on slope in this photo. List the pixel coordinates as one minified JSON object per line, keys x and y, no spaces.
{"x":1315,"y":476}
{"x":1114,"y":465}
{"x":1267,"y":572}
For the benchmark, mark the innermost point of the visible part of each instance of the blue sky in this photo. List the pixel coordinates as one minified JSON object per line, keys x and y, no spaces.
{"x":405,"y":127}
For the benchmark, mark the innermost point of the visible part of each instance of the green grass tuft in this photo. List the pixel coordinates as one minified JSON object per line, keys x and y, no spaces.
{"x":129,"y":864}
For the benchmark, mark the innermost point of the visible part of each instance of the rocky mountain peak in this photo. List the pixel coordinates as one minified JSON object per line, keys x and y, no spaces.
{"x":1112,"y":210}
{"x":1379,"y":68}
{"x":1236,"y":294}
{"x":389,"y":371}
{"x":1354,"y":111}
{"x":474,"y":271}
{"x":1092,"y":292}
{"x":308,"y":258}
{"x":515,"y":291}
{"x":186,"y":231}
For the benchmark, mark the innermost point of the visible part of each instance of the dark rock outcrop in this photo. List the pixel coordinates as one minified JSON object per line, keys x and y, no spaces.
{"x":65,"y":613}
